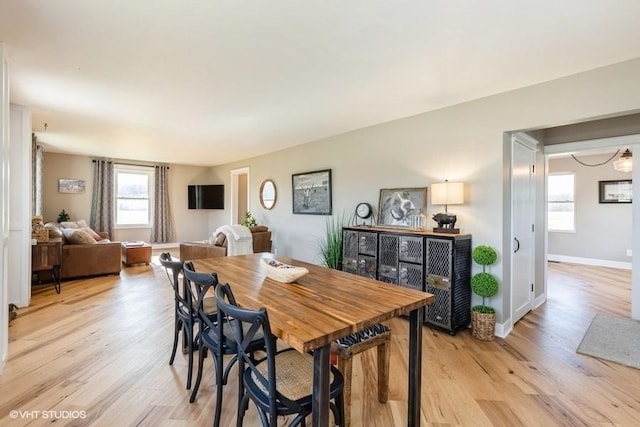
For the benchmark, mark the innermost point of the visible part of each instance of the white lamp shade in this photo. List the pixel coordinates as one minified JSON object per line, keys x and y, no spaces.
{"x":625,"y":162}
{"x":447,"y":193}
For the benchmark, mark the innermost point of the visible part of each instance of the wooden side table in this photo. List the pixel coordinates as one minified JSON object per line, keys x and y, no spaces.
{"x":136,"y":254}
{"x":47,"y":256}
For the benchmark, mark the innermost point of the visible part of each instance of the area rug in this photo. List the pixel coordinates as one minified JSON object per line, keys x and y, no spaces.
{"x":613,"y":338}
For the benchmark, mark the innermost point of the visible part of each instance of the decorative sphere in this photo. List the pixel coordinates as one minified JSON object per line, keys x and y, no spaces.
{"x":484,"y":285}
{"x":484,"y":255}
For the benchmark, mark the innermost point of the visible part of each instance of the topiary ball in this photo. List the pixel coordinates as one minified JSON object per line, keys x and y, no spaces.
{"x":484,"y":255}
{"x":484,"y":285}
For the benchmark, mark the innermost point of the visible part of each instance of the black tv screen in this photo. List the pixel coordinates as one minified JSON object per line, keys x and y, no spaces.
{"x":206,"y":196}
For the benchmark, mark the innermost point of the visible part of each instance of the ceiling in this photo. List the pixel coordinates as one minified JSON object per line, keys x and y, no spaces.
{"x":207,"y":82}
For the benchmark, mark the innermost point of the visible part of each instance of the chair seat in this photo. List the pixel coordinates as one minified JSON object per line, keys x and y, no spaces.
{"x":209,"y":304}
{"x":294,"y":376}
{"x":366,"y":334}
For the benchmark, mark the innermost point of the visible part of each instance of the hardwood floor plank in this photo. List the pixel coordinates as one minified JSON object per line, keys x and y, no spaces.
{"x":102,"y":346}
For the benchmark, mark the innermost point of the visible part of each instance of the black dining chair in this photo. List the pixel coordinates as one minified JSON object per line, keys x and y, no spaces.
{"x":280,"y":383}
{"x":212,"y":337}
{"x":184,"y":314}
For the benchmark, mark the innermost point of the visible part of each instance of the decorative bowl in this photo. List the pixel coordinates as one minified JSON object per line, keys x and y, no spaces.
{"x":282,"y":272}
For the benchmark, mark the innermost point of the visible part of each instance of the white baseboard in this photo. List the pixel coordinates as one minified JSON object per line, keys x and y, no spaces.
{"x":164,"y":245}
{"x":590,"y":261}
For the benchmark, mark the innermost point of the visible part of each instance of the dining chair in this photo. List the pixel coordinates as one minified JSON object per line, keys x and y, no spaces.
{"x":376,"y":336}
{"x":184,"y":315}
{"x":279,"y":384}
{"x":212,"y":337}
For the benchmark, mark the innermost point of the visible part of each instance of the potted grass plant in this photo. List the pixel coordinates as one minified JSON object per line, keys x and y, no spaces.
{"x":331,"y":243}
{"x":485,"y":285}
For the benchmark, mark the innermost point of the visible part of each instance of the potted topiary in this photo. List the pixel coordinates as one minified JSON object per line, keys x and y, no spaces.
{"x":485,"y":285}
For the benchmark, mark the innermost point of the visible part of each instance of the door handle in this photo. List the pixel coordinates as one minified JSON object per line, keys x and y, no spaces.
{"x":517,"y":247}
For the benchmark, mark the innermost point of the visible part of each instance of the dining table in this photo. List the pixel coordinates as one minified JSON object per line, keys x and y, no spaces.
{"x":321,"y":307}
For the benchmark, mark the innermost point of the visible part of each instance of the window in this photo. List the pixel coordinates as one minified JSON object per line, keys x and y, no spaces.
{"x":561,"y":202}
{"x":134,"y":187}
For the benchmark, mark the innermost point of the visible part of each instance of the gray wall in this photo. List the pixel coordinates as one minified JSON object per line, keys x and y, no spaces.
{"x":603,"y":231}
{"x":463,"y":142}
{"x":188,"y":224}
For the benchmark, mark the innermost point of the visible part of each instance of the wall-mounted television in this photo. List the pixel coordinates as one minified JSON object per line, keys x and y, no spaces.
{"x":206,"y":196}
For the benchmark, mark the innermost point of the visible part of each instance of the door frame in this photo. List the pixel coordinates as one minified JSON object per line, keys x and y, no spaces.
{"x":235,"y":182}
{"x":633,"y":142}
{"x":532,"y":144}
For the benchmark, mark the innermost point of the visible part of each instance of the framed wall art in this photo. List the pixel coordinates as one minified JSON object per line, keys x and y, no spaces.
{"x":398,"y":204}
{"x":71,"y":186}
{"x":614,"y":191}
{"x":312,"y":192}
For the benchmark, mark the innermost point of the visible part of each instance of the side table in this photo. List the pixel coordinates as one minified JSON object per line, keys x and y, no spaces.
{"x":136,"y":253}
{"x":47,"y":256}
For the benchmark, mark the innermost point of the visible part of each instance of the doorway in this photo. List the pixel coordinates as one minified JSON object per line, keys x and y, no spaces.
{"x":240,"y":194}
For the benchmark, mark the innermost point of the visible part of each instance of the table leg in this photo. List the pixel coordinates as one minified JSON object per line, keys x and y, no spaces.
{"x":415,"y":366}
{"x":55,"y":272}
{"x":320,"y":398}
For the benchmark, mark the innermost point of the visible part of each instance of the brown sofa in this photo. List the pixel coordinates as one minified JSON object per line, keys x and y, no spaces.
{"x":198,"y":250}
{"x":92,"y":258}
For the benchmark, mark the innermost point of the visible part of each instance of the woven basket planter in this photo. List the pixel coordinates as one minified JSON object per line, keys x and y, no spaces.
{"x":483,"y":325}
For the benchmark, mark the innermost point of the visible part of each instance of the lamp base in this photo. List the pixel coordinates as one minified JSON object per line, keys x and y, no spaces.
{"x":446,"y":230}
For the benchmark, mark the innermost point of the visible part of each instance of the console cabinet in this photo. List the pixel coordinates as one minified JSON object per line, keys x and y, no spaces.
{"x":437,"y":263}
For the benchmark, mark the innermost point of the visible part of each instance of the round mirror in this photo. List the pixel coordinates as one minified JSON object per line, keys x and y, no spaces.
{"x":268,"y":194}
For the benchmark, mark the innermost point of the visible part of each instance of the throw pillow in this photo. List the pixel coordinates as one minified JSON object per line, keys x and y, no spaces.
{"x":74,"y":224}
{"x":221,"y":239}
{"x":77,"y":237}
{"x":92,"y":233}
{"x":54,"y":229}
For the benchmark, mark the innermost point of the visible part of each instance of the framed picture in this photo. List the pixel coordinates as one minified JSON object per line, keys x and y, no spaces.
{"x":398,"y":204}
{"x":615,"y":191}
{"x":71,"y":186}
{"x":312,"y":192}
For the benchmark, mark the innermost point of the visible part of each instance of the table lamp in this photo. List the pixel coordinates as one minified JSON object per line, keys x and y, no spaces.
{"x":446,"y":193}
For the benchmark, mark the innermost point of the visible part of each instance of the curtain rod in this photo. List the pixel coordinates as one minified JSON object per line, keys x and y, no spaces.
{"x":132,"y":164}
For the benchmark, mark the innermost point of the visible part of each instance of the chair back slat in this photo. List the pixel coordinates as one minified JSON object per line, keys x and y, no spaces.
{"x":174,"y":269}
{"x":201,"y":282}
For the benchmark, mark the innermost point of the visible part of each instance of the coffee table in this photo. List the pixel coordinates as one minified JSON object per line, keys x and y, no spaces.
{"x":136,"y":253}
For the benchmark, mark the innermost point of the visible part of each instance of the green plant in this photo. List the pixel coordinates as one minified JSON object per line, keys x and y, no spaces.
{"x":249,"y":220}
{"x":484,"y":284}
{"x":63,"y":216}
{"x":331,"y":244}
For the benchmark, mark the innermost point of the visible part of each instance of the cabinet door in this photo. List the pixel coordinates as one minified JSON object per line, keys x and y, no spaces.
{"x":388,"y":258}
{"x":368,"y":243}
{"x":350,"y":251}
{"x":367,"y":266}
{"x":411,"y":249}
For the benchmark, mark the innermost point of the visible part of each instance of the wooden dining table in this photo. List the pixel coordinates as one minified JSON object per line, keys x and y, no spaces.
{"x":320,"y":307}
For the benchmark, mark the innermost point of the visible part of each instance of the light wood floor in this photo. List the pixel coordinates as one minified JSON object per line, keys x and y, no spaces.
{"x":102,"y":346}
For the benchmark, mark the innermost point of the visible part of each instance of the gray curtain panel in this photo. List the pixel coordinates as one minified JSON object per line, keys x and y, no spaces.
{"x":102,"y":201}
{"x":162,"y":227}
{"x":37,"y":154}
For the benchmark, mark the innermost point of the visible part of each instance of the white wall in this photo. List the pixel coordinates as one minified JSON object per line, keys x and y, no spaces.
{"x":189,"y":224}
{"x":602,"y":230}
{"x":4,"y":206}
{"x":19,"y":269}
{"x":462,"y":143}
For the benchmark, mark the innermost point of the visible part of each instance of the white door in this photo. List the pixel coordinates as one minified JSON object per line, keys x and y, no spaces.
{"x":523,"y":150}
{"x":239,"y":194}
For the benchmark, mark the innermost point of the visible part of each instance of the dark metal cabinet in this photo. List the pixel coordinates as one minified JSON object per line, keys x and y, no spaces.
{"x":431,"y":262}
{"x":359,"y":252}
{"x":448,"y":274}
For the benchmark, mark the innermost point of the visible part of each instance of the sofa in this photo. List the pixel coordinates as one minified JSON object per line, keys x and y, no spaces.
{"x":81,"y":256}
{"x":260,"y":234}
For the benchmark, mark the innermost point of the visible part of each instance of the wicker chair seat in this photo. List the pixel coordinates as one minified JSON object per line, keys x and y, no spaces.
{"x":294,"y":375}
